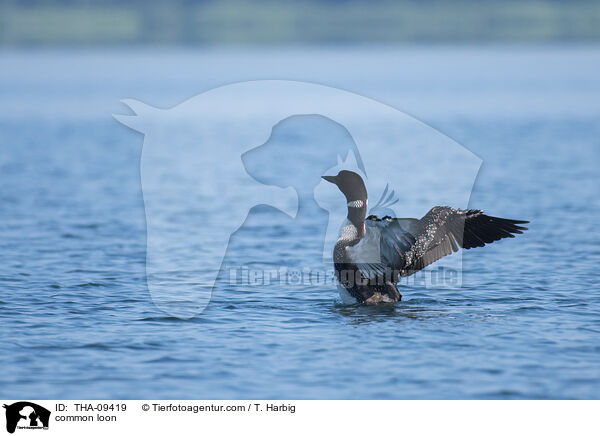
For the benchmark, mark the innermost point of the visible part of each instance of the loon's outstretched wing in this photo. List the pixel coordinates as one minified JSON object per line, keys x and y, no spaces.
{"x":443,"y":230}
{"x":408,"y":245}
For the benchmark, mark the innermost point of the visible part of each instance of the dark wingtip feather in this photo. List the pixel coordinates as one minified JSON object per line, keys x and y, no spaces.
{"x":513,"y":224}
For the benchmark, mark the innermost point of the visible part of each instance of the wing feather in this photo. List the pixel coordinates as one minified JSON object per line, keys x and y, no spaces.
{"x":443,"y":230}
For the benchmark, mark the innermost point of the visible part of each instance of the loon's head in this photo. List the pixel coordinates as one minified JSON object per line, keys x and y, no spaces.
{"x":351,"y":185}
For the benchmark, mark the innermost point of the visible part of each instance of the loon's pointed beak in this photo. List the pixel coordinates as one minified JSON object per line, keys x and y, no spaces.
{"x":330,"y":179}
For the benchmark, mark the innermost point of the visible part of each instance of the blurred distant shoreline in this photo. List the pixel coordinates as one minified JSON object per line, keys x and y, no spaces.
{"x":242,"y":22}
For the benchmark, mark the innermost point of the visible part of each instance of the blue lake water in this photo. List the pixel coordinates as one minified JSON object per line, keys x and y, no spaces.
{"x":76,"y":317}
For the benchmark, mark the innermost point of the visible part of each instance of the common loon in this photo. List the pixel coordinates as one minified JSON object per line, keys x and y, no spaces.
{"x":372,"y":253}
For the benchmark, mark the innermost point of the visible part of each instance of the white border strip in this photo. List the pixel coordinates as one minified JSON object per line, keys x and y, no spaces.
{"x":254,"y":417}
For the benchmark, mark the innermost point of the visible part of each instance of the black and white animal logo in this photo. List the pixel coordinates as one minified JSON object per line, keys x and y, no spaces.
{"x":26,"y":415}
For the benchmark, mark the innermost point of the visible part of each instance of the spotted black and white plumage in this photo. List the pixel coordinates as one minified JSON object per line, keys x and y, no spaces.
{"x":372,"y":253}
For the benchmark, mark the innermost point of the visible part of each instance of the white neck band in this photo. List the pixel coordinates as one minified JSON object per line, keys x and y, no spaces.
{"x":356,"y":203}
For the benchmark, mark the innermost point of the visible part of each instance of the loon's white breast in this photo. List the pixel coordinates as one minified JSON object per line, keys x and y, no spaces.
{"x":368,"y":248}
